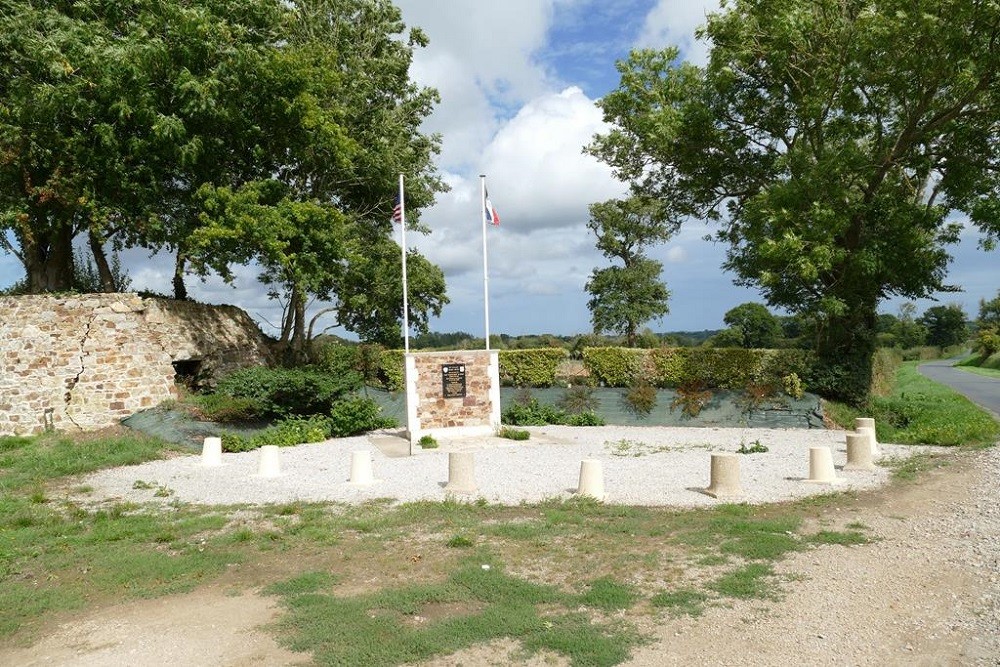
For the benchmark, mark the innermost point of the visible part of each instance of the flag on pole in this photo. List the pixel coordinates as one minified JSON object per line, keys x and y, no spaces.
{"x":397,"y":210}
{"x":492,"y":216}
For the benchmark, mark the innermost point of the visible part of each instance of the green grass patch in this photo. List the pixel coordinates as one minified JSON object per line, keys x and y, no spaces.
{"x":910,"y":468}
{"x":682,"y":602}
{"x":755,"y":580}
{"x":845,"y":538}
{"x":476,"y":604}
{"x":921,"y":411}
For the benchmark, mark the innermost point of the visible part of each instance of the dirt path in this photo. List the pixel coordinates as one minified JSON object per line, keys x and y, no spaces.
{"x":927,"y":593}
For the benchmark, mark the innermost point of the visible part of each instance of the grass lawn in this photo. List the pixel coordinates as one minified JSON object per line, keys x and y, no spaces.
{"x":383,"y":584}
{"x":981,"y":370}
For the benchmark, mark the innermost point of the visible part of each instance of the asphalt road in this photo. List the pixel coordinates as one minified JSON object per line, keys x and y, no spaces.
{"x":979,"y":389}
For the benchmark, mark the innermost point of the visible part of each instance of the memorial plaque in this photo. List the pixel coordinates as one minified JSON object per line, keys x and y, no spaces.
{"x":453,"y":380}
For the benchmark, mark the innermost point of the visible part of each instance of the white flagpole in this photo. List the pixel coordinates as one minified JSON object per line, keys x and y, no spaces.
{"x":406,"y":305}
{"x":486,"y":270}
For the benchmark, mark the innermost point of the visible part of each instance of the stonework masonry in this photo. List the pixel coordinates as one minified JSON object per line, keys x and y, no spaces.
{"x":429,"y":411}
{"x":85,"y":362}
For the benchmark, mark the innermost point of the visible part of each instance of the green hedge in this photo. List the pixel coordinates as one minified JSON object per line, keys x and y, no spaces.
{"x":723,"y":368}
{"x":532,"y":367}
{"x":392,"y":370}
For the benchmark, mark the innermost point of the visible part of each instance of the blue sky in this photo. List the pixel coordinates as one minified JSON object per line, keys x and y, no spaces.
{"x":518,"y":82}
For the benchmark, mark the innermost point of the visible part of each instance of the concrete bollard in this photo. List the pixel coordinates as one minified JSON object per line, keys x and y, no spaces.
{"x":361,"y":468}
{"x":591,"y":479}
{"x":724,"y":481}
{"x":461,"y":473}
{"x":211,"y":452}
{"x":859,"y":452}
{"x":865,"y":423}
{"x":869,"y":433}
{"x":821,"y":470}
{"x":270,"y":461}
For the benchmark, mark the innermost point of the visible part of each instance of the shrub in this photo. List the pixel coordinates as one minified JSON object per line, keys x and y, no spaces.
{"x":640,"y":399}
{"x":287,"y":391}
{"x":357,"y":414}
{"x":588,"y":418}
{"x":885,"y":363}
{"x":532,"y":413}
{"x":691,"y":398}
{"x":987,"y":341}
{"x":392,"y":370}
{"x":514,"y":433}
{"x":427,"y":442}
{"x":614,"y":366}
{"x":285,"y":433}
{"x":792,"y":385}
{"x":531,"y":367}
{"x":227,"y":409}
{"x":578,"y":399}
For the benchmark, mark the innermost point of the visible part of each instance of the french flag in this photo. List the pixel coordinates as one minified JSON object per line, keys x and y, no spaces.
{"x":492,"y":216}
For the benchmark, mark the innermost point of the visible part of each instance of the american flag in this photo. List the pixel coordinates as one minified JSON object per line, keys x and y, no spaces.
{"x":397,"y":210}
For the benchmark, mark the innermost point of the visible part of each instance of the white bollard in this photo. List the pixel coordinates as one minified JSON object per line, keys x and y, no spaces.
{"x":859,"y":452}
{"x":724,"y":480}
{"x":821,"y":470}
{"x":361,"y":468}
{"x":461,"y":473}
{"x":591,"y":479}
{"x":270,"y":462}
{"x":211,"y":452}
{"x":869,"y":432}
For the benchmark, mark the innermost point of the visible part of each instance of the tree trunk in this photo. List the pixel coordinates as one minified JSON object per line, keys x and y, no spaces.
{"x":48,"y":260}
{"x":297,"y":311}
{"x":180,"y":290}
{"x":104,"y":273}
{"x":845,"y":349}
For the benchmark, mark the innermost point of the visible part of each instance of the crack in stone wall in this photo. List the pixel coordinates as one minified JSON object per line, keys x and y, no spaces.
{"x":75,"y":380}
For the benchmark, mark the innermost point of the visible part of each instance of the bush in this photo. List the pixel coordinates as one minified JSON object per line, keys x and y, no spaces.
{"x":578,"y":399}
{"x":614,"y":366}
{"x":227,"y":409}
{"x":530,"y":368}
{"x":588,"y":418}
{"x":288,"y":391}
{"x":285,"y":433}
{"x":392,"y":370}
{"x":427,"y":442}
{"x":514,"y":433}
{"x":987,"y":341}
{"x":640,"y":399}
{"x":532,"y":413}
{"x":357,"y":414}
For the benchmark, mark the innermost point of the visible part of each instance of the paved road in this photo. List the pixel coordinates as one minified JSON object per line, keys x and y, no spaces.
{"x":979,"y":389}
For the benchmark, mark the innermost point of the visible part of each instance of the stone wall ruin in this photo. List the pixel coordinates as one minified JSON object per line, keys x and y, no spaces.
{"x":75,"y":363}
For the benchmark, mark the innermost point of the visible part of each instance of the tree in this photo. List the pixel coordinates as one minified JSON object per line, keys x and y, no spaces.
{"x":831,"y":141}
{"x":989,"y":311}
{"x":627,"y":296}
{"x":757,"y":327}
{"x":945,"y":325}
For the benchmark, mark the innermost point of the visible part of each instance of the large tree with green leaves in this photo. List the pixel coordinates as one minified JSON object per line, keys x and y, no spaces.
{"x":832,"y":141}
{"x":226,"y":131}
{"x":624,"y":296}
{"x":946,"y":325}
{"x":754,"y":325}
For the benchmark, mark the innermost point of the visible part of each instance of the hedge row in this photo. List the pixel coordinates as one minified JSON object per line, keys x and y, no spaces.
{"x":723,"y":368}
{"x":532,"y":367}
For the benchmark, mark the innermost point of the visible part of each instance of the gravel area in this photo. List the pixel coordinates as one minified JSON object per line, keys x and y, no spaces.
{"x":655,"y":466}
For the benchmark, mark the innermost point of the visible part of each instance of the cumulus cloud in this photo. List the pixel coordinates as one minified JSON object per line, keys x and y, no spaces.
{"x":673,"y":23}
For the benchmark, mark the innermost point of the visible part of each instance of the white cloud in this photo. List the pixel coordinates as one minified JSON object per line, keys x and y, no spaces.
{"x":673,"y":23}
{"x":676,"y":254}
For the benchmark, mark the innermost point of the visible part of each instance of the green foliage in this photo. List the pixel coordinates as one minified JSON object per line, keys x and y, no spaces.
{"x":750,"y":581}
{"x":392,"y":370}
{"x":691,"y":397}
{"x":514,"y":433}
{"x":828,"y":194}
{"x":626,"y":296}
{"x":286,"y":432}
{"x":225,"y":409}
{"x":530,"y":368}
{"x":792,"y":385}
{"x":586,"y":418}
{"x":989,"y":312}
{"x":884,"y":367}
{"x":755,"y":447}
{"x":945,"y":325}
{"x":528,"y":411}
{"x":287,"y":391}
{"x":987,"y":342}
{"x":357,"y":414}
{"x":459,"y":542}
{"x":614,"y":366}
{"x":755,"y":325}
{"x":427,"y":441}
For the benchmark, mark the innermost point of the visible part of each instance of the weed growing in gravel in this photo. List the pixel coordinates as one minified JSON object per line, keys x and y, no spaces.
{"x":754,"y":447}
{"x":685,"y":601}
